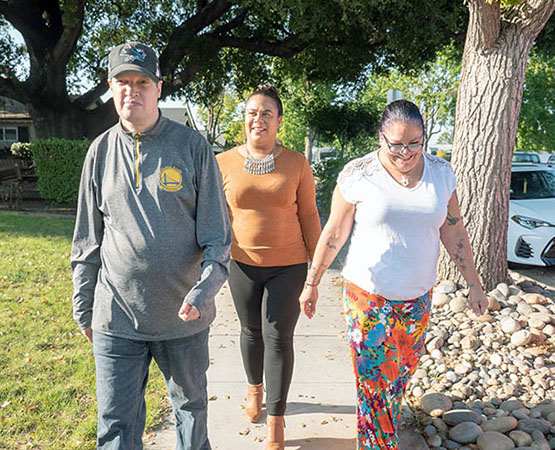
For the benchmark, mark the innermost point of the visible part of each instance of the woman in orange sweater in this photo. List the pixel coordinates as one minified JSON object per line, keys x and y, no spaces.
{"x":271,"y":200}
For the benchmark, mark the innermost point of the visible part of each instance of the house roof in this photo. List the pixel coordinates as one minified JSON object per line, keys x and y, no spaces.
{"x":12,"y":110}
{"x":182,"y":115}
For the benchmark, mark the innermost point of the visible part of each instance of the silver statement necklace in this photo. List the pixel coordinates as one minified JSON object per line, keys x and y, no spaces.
{"x":259,"y":166}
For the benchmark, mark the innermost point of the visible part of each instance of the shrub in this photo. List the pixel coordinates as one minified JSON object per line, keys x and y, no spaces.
{"x":58,"y":164}
{"x":21,"y":150}
{"x":326,"y":172}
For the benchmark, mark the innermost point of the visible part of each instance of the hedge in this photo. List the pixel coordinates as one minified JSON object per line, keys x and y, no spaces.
{"x":58,"y":165}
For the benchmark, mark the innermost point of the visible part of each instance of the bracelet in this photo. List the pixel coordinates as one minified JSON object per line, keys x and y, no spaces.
{"x":311,"y":285}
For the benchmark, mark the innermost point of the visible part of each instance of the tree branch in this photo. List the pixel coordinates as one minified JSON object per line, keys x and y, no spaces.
{"x":40,"y":22}
{"x":183,"y":78}
{"x":14,"y":90}
{"x":207,"y":15}
{"x":285,"y":48}
{"x":70,"y":34}
{"x":487,"y":23}
{"x":91,"y":95}
{"x":181,"y":37}
{"x":530,"y":15}
{"x":234,"y":23}
{"x":28,"y":23}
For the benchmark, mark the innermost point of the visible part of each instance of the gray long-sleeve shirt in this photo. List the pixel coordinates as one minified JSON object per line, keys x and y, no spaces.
{"x":152,"y":230}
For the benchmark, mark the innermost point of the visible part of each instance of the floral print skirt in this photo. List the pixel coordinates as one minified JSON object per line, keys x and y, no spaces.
{"x":386,"y":338}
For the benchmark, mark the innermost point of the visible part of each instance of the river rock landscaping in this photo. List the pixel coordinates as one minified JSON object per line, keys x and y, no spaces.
{"x":488,"y":382}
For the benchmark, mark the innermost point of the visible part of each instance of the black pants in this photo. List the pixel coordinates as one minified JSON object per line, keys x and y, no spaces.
{"x":266,"y":299}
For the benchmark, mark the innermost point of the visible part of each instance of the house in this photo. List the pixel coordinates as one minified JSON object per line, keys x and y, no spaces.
{"x":16,"y":124}
{"x":321,"y":153}
{"x":185,"y":116}
{"x":181,"y":115}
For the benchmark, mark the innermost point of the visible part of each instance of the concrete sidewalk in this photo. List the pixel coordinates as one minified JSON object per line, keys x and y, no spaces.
{"x":321,"y":404}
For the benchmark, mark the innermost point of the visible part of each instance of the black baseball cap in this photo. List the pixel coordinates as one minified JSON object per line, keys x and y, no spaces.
{"x":134,"y":57}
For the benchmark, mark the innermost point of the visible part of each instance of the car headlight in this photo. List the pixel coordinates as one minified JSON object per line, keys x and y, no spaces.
{"x":530,"y":223}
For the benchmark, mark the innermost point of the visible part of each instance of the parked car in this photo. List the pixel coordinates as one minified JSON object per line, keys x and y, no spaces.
{"x":528,"y":157}
{"x":551,"y":159}
{"x":531,"y":236}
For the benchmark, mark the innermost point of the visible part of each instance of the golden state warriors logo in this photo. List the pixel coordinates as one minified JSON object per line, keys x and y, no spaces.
{"x":171,"y":179}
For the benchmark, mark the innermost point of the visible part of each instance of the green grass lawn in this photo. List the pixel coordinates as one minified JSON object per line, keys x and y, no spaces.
{"x":47,"y":386}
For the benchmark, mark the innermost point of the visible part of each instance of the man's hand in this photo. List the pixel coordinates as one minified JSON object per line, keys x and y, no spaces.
{"x":188,"y":312}
{"x":87,"y":332}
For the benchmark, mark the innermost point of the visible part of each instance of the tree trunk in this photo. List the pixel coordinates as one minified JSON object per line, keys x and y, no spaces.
{"x":69,"y":122}
{"x":488,"y":105}
{"x":308,"y":135}
{"x":308,"y":144}
{"x":210,"y":128}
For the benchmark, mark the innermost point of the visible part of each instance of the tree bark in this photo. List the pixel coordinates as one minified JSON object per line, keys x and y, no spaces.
{"x":308,"y":135}
{"x":488,"y":104}
{"x":308,"y":144}
{"x":70,"y":122}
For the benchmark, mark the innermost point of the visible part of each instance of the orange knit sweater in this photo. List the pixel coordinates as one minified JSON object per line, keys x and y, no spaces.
{"x":273,"y":216}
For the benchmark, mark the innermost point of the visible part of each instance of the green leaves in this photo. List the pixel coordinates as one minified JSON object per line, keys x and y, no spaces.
{"x":58,"y":166}
{"x":505,"y":3}
{"x":433,"y":88}
{"x":537,"y":119}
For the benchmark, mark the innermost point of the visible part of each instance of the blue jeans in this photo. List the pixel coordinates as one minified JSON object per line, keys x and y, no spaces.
{"x":121,"y":377}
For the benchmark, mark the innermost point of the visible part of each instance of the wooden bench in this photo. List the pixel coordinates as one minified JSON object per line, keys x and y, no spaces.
{"x":11,"y":182}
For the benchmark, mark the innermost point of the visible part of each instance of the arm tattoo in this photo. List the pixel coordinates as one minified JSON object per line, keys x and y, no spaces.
{"x":330,"y":245}
{"x":311,"y":273}
{"x":458,"y":258}
{"x":452,"y":220}
{"x":312,"y":276}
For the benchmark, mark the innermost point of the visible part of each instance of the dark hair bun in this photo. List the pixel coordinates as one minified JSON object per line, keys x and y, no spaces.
{"x":267,"y":90}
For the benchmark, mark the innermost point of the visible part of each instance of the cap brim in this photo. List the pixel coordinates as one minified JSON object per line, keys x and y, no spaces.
{"x":132,"y":68}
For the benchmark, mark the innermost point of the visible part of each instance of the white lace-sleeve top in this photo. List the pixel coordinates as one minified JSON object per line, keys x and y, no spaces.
{"x":395,"y":241}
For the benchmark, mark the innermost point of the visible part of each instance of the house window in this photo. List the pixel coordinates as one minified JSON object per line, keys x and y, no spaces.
{"x":8,"y":134}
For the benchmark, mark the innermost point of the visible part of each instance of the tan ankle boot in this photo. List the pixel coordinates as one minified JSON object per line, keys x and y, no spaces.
{"x":253,"y":405}
{"x":275,"y":439}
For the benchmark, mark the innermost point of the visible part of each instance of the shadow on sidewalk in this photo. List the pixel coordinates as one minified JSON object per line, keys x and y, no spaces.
{"x":322,"y":443}
{"x":294,"y":408}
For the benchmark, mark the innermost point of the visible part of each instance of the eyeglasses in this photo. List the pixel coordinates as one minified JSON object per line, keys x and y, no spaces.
{"x":398,"y":148}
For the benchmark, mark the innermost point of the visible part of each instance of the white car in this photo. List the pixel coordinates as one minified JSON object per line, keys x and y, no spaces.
{"x":528,"y":157}
{"x":531,"y":237}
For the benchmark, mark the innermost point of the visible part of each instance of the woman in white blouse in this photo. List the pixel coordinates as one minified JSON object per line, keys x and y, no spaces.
{"x":399,"y":203}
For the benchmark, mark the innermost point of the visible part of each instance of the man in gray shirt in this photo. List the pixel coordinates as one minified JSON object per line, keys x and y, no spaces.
{"x":150,"y":252}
